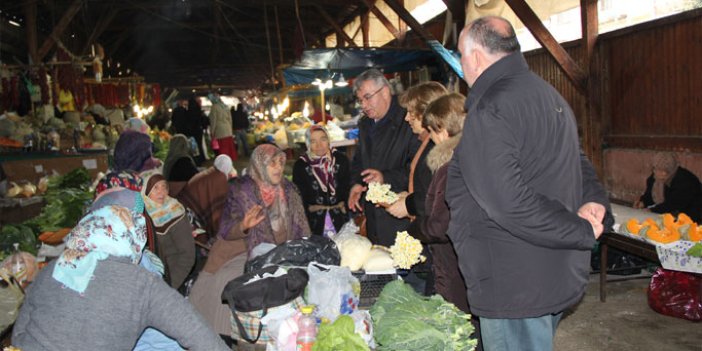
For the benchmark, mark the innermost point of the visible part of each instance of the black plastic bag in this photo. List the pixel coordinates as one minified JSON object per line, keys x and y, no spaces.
{"x":298,"y":253}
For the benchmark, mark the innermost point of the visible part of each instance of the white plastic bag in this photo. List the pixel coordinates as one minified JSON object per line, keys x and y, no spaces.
{"x":354,"y":250}
{"x":333,"y":289}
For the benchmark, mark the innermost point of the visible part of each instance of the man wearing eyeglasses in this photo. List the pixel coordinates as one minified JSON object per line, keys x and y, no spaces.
{"x":385,"y":150}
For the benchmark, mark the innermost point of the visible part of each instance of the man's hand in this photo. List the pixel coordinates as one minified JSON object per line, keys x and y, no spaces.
{"x":372,"y":175}
{"x":593,"y":213}
{"x":399,"y":208}
{"x":355,"y":197}
{"x":253,"y":217}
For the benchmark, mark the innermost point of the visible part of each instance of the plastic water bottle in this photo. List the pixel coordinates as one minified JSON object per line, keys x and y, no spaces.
{"x":307,"y":329}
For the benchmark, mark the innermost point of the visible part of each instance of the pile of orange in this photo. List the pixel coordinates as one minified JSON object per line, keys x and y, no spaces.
{"x":665,"y":229}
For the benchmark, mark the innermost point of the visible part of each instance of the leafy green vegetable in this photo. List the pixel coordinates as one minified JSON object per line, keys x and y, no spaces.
{"x":339,"y":336}
{"x":20,"y":234}
{"x":404,"y":320}
{"x":695,"y":250}
{"x":67,"y":197}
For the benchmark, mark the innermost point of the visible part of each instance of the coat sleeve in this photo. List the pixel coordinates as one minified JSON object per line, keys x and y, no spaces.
{"x":357,"y":164}
{"x":647,"y":197}
{"x":300,"y":225}
{"x":232,"y":215}
{"x":169,"y":312}
{"x":488,"y":158}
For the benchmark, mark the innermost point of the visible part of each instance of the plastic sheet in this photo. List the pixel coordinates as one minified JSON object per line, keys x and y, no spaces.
{"x":676,"y":294}
{"x":298,"y":253}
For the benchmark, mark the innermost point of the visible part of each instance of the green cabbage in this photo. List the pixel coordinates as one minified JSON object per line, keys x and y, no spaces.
{"x":404,"y":320}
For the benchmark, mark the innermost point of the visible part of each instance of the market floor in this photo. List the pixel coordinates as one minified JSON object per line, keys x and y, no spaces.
{"x":625,"y":322}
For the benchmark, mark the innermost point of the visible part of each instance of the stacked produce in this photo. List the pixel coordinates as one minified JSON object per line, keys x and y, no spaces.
{"x":665,"y":228}
{"x":404,"y":320}
{"x":407,"y":251}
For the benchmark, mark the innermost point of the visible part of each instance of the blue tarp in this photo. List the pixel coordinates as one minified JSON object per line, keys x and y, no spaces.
{"x":320,"y":63}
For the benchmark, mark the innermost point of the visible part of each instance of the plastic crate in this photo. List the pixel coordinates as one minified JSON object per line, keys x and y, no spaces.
{"x":371,"y":286}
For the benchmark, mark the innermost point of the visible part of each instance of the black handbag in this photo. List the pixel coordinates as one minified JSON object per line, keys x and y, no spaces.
{"x":262,"y":294}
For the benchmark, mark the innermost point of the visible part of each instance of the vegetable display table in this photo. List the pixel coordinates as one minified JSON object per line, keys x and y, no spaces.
{"x":33,"y":166}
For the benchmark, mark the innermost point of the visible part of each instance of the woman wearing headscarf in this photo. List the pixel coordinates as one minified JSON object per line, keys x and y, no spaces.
{"x":179,"y":165}
{"x":134,"y":151}
{"x":323,"y":178}
{"x":96,"y":297}
{"x":261,"y":207}
{"x":672,"y":189}
{"x":173,"y":233}
{"x":206,"y":192}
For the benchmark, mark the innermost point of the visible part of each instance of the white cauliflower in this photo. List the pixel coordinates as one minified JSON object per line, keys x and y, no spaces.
{"x":407,"y":251}
{"x":380,"y":193}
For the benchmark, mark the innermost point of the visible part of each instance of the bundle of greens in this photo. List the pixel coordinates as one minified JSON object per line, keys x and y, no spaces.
{"x":339,"y":336}
{"x":20,"y":234}
{"x":404,"y":320}
{"x":66,"y":199}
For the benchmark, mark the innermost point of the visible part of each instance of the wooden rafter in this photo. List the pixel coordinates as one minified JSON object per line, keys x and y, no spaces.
{"x":410,"y":20}
{"x":365,"y":30}
{"x":590,"y":28}
{"x":458,"y":11}
{"x":571,"y":69}
{"x":336,"y":27}
{"x":384,"y":20}
{"x":30,"y":13}
{"x":99,"y":28}
{"x":59,"y":28}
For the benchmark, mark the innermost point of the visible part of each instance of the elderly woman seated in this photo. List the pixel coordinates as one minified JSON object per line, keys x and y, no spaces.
{"x":261,"y":207}
{"x":173,"y":234}
{"x":97,"y":297}
{"x":672,"y":189}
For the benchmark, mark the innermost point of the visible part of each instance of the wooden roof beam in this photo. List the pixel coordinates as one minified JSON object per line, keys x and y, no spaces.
{"x":571,"y":69}
{"x":59,"y":28}
{"x":458,"y":11}
{"x":336,"y":27}
{"x":410,"y":20}
{"x":384,"y":20}
{"x":100,"y":27}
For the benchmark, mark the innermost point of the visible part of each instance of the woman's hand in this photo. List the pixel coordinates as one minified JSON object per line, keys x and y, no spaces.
{"x":253,"y":217}
{"x":638,"y":204}
{"x":399,"y":209}
{"x":355,"y":197}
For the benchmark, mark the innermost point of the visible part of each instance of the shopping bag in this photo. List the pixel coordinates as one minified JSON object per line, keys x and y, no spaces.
{"x":676,"y":294}
{"x":298,"y":253}
{"x":251,"y":295}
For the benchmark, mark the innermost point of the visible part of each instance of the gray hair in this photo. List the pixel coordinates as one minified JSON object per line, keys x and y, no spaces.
{"x":372,"y":74}
{"x":495,"y":34}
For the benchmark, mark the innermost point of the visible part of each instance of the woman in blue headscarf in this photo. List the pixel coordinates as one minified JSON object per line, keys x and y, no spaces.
{"x":97,"y":297}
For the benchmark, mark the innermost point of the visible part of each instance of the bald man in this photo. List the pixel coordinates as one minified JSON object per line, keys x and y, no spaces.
{"x":526,"y":206}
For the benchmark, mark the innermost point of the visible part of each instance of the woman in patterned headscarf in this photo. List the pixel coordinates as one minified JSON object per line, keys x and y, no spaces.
{"x":173,"y":233}
{"x":322,"y":176}
{"x":134,"y":151}
{"x":107,"y":299}
{"x":672,"y":189}
{"x":261,"y":207}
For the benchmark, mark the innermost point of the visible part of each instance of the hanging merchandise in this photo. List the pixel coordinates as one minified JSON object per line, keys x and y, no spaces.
{"x":65,"y":101}
{"x":44,"y":86}
{"x":156,"y":91}
{"x":6,"y":101}
{"x":140,"y":92}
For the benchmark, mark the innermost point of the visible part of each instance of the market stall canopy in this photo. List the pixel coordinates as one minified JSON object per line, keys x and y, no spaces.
{"x":321,"y":63}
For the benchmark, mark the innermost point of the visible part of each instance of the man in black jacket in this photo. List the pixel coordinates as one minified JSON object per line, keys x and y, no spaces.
{"x":385,"y":150}
{"x":526,"y":206}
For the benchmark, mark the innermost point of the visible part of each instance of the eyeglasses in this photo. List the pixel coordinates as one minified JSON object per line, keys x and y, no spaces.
{"x":367,"y":97}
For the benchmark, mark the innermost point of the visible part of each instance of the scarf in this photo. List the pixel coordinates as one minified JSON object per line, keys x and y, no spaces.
{"x":261,"y":157}
{"x":165,"y":215}
{"x":178,"y":148}
{"x":322,"y":166}
{"x":132,"y":151}
{"x":108,"y":231}
{"x":118,"y":180}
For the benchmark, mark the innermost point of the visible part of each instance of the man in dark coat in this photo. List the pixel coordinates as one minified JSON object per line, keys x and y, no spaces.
{"x":526,"y":206}
{"x":385,"y":150}
{"x":240,"y":124}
